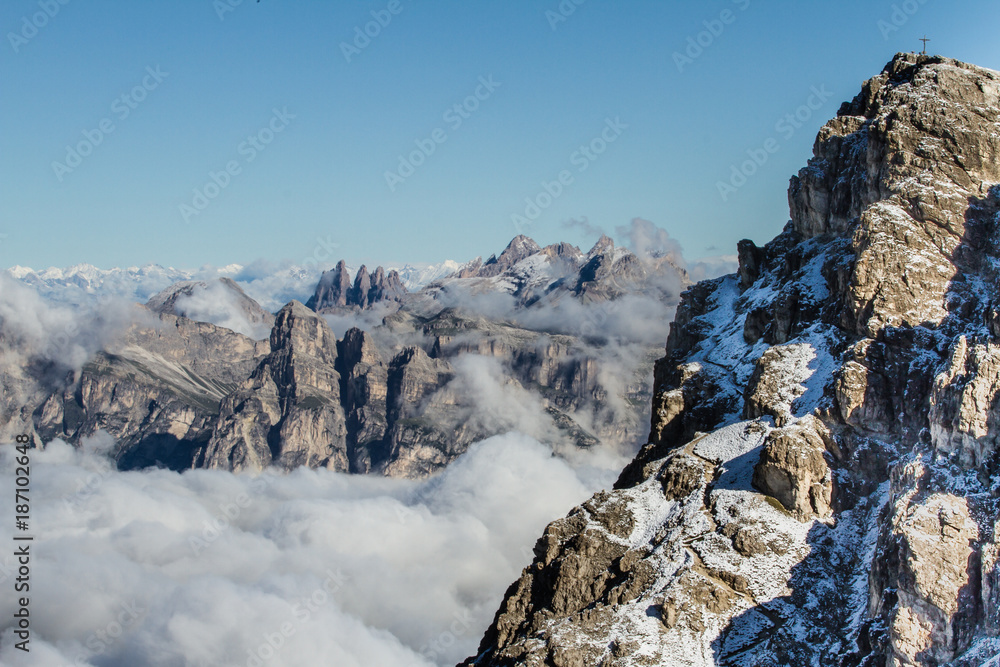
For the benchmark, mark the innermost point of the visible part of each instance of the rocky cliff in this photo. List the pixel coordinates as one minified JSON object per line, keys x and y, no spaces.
{"x":336,"y":291}
{"x":156,"y":389}
{"x":429,"y":373}
{"x":822,"y":477}
{"x":219,"y":301}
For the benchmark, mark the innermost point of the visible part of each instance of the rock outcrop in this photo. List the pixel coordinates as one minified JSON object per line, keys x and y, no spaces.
{"x":221,"y":302}
{"x":156,"y":390}
{"x":335,"y":290}
{"x":821,"y":483}
{"x":288,"y":412}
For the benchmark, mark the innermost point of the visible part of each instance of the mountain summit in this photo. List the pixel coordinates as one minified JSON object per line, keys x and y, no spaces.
{"x":822,"y":477}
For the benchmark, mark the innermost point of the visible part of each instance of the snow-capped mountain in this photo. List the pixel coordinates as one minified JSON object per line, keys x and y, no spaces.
{"x":416,"y":276}
{"x":272,"y":285}
{"x":821,"y":483}
{"x":85,"y":281}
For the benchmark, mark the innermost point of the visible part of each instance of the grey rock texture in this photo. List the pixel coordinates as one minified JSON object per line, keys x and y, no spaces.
{"x":335,"y":290}
{"x":156,"y":390}
{"x":821,"y":483}
{"x":288,"y":412}
{"x":364,"y":388}
{"x":223,"y":299}
{"x":403,"y":398}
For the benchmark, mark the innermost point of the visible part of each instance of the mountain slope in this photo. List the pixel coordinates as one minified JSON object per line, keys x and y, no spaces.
{"x":552,"y":342}
{"x":221,"y":302}
{"x":822,"y":478}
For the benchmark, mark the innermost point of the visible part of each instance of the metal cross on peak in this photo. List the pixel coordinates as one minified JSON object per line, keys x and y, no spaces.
{"x":924,"y":39}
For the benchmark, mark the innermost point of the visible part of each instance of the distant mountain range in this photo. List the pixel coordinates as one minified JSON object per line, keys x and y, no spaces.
{"x":371,"y":376}
{"x":272,"y":285}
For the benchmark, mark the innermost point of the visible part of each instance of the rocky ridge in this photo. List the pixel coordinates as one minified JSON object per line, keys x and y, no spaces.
{"x":537,"y":276}
{"x":219,"y":301}
{"x":821,"y":482}
{"x":336,"y":291}
{"x":402,"y":398}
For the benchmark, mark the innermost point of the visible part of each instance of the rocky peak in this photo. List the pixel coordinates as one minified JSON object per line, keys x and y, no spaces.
{"x":520,"y":247}
{"x":604,"y":245}
{"x":299,"y":330}
{"x":563,"y":253}
{"x":362,"y":286}
{"x":386,"y":286}
{"x":335,"y":290}
{"x":905,"y":173}
{"x":220,"y":301}
{"x":821,"y":483}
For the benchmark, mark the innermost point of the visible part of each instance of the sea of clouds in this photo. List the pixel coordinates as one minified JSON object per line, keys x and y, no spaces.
{"x":204,"y":567}
{"x":310,"y":567}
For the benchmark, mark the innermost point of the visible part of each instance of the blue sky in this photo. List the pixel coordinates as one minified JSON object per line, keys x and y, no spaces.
{"x":309,"y":129}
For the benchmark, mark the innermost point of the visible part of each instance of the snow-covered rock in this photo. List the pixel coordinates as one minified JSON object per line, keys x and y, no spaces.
{"x":822,"y":479}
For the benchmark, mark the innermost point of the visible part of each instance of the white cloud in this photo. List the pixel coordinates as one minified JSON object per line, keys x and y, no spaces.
{"x":62,"y":333}
{"x":221,"y":305}
{"x":210,"y":568}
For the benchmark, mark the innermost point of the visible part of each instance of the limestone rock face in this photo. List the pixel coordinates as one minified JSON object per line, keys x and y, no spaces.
{"x":288,"y":412}
{"x":221,"y":302}
{"x":793,"y":469}
{"x":963,"y":413}
{"x":821,"y":484}
{"x":416,"y":445}
{"x":925,"y":598}
{"x":156,"y":391}
{"x":907,"y":159}
{"x":336,"y":292}
{"x":364,"y":378}
{"x":333,"y":289}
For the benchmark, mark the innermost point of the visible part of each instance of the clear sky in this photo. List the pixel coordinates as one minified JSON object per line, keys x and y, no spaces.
{"x":115,"y":114}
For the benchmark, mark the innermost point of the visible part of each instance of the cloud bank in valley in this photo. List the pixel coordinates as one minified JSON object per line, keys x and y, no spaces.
{"x":208,"y":568}
{"x":65,"y":334}
{"x":220,"y":305}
